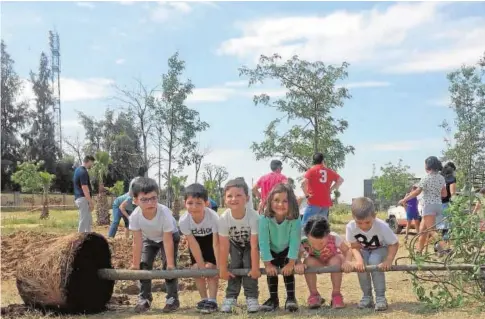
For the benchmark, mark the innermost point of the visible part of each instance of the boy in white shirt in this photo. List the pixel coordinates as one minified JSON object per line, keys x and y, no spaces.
{"x":373,"y":243}
{"x":154,"y":229}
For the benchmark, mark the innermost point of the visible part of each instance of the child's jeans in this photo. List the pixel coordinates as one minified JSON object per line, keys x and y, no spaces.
{"x":117,"y":216}
{"x":241,"y":258}
{"x":149,"y":252}
{"x":378,"y":278}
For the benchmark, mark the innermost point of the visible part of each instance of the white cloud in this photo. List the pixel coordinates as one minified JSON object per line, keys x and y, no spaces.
{"x":215,"y":94}
{"x":75,"y":89}
{"x":120,"y":61}
{"x":165,"y":10}
{"x":236,"y":83}
{"x":377,"y":37}
{"x":441,"y":102}
{"x":84,"y":4}
{"x":411,"y":145}
{"x":366,"y":84}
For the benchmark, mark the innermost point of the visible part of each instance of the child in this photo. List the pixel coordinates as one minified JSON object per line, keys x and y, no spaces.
{"x":412,"y":213}
{"x":279,"y":242}
{"x":154,"y":229}
{"x":433,"y":187}
{"x":199,"y":224}
{"x":372,"y":243}
{"x":122,"y":208}
{"x":238,"y":237}
{"x":321,"y":247}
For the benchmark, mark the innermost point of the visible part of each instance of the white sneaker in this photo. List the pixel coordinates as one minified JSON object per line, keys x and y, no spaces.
{"x":381,"y":304}
{"x":253,"y":305}
{"x":366,"y":302}
{"x":228,"y":304}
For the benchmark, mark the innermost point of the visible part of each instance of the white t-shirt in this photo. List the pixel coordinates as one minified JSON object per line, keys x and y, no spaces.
{"x":239,"y":231}
{"x":153,"y":229}
{"x":432,"y":184}
{"x":207,"y":226}
{"x":303,"y":206}
{"x":380,"y":235}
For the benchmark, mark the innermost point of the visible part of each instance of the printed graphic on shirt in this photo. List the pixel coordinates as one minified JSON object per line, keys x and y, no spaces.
{"x":373,"y":243}
{"x":240,"y":236}
{"x":207,"y":226}
{"x":328,"y":251}
{"x":379,"y":235}
{"x":239,"y":231}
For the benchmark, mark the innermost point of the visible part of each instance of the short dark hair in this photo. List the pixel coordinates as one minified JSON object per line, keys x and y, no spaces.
{"x":433,"y":163}
{"x":237,"y":182}
{"x":275,"y":165}
{"x":142,"y":170}
{"x":450,"y":165}
{"x":317,"y":226}
{"x":293,"y":209}
{"x":196,"y":190}
{"x":88,"y":158}
{"x":317,"y":158}
{"x":144,"y":185}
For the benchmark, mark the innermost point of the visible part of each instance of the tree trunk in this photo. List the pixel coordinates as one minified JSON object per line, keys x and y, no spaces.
{"x":45,"y":207}
{"x":102,"y":208}
{"x":159,"y":160}
{"x":315,"y":137}
{"x":145,"y":153}
{"x":176,"y":208}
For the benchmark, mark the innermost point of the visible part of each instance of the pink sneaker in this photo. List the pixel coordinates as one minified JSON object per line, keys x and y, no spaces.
{"x":315,"y":301}
{"x":337,"y":301}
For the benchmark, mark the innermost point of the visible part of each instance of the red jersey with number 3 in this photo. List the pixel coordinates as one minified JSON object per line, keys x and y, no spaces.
{"x":320,"y":179}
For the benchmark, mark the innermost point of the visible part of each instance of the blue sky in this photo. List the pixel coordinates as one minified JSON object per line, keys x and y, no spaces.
{"x":399,"y":53}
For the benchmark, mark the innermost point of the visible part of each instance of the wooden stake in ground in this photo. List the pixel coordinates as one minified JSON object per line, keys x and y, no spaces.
{"x":64,"y":277}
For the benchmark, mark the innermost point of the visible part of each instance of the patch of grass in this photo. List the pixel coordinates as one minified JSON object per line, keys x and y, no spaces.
{"x":59,"y":221}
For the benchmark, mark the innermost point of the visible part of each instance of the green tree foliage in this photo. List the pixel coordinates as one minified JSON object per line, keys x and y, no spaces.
{"x":40,"y":140}
{"x":180,"y":123}
{"x":32,"y":178}
{"x":14,"y":115}
{"x":467,"y":147}
{"x":117,"y":189}
{"x":393,"y":183}
{"x":312,"y":94}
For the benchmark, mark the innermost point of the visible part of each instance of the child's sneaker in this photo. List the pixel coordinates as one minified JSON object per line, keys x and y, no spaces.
{"x":365,"y":302}
{"x":337,"y":301}
{"x":228,"y":304}
{"x":270,"y":305}
{"x":209,"y":307}
{"x":291,"y":305}
{"x":142,"y":306}
{"x":381,"y":304}
{"x":315,"y":301}
{"x":253,"y":305}
{"x":200,"y":304}
{"x":171,"y":305}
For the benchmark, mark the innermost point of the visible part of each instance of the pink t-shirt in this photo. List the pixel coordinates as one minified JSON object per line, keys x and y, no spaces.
{"x":268,"y":181}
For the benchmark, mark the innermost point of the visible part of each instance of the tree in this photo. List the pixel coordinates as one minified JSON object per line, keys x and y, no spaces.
{"x":117,"y":189}
{"x":180,"y":123}
{"x":197,"y":158}
{"x":31,"y":178}
{"x":467,"y":147}
{"x":40,"y":140}
{"x":311,"y":96}
{"x":220,"y":176}
{"x":176,"y":184}
{"x":393,"y":183}
{"x":75,"y":147}
{"x":14,"y":115}
{"x":210,"y":181}
{"x":140,"y":102}
{"x":99,"y":173}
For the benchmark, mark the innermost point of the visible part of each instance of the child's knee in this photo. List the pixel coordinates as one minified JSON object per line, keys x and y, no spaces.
{"x":313,"y":262}
{"x":336,"y":260}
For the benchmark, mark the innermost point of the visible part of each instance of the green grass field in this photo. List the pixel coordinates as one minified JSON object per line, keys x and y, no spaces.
{"x":402,"y":301}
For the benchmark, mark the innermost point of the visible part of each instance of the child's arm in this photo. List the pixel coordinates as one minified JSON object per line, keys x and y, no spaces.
{"x":391,"y":254}
{"x":347,"y":252}
{"x":169,"y":250}
{"x":359,"y":261}
{"x":137,"y":243}
{"x":196,"y":251}
{"x":263,"y":240}
{"x":413,"y":194}
{"x":255,"y":272}
{"x":123,"y":208}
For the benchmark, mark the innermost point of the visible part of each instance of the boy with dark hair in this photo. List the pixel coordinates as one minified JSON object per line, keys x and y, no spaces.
{"x":82,"y":194}
{"x":154,"y":229}
{"x":238,"y":236}
{"x":318,"y":185}
{"x":199,"y":224}
{"x":373,"y":243}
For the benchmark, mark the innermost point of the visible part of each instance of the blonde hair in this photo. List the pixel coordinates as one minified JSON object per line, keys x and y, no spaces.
{"x":362,"y":208}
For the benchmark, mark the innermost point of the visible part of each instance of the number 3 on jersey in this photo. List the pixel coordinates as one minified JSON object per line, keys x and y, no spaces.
{"x":323,"y":176}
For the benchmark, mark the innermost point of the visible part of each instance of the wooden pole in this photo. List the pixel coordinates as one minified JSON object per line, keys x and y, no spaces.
{"x":124,"y":274}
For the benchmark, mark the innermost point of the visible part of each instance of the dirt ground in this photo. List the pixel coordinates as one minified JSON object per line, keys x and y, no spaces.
{"x":401,"y":299}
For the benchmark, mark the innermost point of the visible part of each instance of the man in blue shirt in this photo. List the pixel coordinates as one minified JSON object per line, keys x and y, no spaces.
{"x":82,"y":194}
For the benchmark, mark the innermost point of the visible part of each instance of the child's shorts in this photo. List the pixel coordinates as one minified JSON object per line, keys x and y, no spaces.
{"x":412,"y":215}
{"x":207,"y":249}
